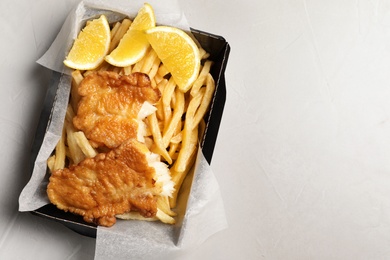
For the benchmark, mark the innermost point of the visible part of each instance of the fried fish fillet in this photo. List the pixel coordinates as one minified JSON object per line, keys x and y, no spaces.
{"x":109,"y":106}
{"x":109,"y":184}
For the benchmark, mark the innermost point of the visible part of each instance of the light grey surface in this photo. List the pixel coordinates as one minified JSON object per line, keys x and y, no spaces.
{"x":302,"y":156}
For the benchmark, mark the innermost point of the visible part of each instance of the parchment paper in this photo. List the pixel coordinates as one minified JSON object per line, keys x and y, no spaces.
{"x":201,"y":211}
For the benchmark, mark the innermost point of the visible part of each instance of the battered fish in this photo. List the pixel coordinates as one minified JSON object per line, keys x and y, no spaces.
{"x":109,"y":106}
{"x":109,"y":184}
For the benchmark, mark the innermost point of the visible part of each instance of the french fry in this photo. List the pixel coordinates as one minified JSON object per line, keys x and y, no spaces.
{"x":115,"y":29}
{"x":69,"y":115}
{"x":84,"y":144}
{"x":161,"y":85}
{"x":201,"y":129}
{"x":162,"y":71}
{"x":163,"y":205}
{"x":165,"y":218}
{"x":166,"y":100}
{"x":202,"y":53}
{"x":127,"y":70}
{"x":175,"y":119}
{"x":77,"y":77}
{"x":179,"y":176}
{"x":173,"y":101}
{"x":153,"y":71}
{"x":149,"y":60}
{"x":118,"y":33}
{"x":160,"y":107}
{"x":177,"y":138}
{"x":159,"y":145}
{"x":75,"y":153}
{"x":138,"y":66}
{"x":206,"y":101}
{"x":157,"y":78}
{"x":189,"y":143}
{"x":201,"y":78}
{"x":50,"y":162}
{"x":105,"y":66}
{"x":175,"y":142}
{"x":60,"y":153}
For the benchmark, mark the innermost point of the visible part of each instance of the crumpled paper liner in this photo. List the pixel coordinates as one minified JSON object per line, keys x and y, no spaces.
{"x":200,"y":206}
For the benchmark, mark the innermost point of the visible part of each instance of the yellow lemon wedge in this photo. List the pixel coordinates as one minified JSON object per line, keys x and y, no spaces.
{"x":91,"y":45}
{"x":178,"y":52}
{"x":133,"y":45}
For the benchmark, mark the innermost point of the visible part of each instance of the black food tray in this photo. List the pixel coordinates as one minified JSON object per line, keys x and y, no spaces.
{"x":219,"y":51}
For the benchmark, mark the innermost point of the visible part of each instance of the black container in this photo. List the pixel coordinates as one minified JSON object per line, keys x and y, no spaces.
{"x":219,"y":52}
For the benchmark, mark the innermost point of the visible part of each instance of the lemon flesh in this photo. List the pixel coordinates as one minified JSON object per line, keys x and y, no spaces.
{"x":90,"y":46}
{"x":178,"y":52}
{"x":134,"y":45}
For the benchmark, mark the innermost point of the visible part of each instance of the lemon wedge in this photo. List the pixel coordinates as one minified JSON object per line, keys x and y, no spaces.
{"x":133,"y":45}
{"x":178,"y":52}
{"x":90,"y":46}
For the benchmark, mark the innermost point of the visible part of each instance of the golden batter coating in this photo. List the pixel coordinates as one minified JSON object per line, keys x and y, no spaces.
{"x":109,"y":105}
{"x":107,"y":185}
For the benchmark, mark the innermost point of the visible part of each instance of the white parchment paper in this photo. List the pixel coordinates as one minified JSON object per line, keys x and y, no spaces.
{"x":200,"y":208}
